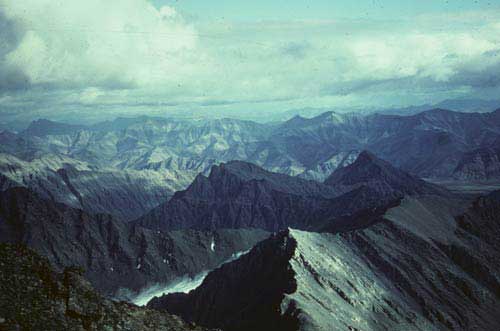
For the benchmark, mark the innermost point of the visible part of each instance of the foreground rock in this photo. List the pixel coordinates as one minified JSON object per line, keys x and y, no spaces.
{"x":419,"y":268}
{"x":34,"y":297}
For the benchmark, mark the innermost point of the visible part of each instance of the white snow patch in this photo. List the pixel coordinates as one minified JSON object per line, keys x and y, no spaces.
{"x":183,"y":285}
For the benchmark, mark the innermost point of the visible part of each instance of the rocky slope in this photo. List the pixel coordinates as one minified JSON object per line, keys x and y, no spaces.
{"x":418,"y":268}
{"x":34,"y":297}
{"x":126,"y":194}
{"x":119,"y":258}
{"x":479,"y":165}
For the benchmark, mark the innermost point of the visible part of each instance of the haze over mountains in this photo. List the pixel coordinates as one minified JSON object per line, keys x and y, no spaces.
{"x":348,"y":228}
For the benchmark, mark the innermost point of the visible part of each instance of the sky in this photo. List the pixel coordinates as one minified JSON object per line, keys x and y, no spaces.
{"x":96,"y":59}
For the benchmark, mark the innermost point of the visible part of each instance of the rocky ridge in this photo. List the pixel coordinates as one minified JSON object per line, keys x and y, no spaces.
{"x":366,"y":279}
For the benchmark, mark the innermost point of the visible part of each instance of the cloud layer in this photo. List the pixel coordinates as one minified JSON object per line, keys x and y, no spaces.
{"x":109,"y":44}
{"x":118,"y":54}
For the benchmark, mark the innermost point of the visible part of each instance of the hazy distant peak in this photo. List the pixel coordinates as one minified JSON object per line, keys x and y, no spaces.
{"x":43,"y":127}
{"x":380,"y":175}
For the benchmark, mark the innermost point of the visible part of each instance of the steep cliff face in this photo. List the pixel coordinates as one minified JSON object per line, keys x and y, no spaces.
{"x":115,"y":254}
{"x":419,"y":268}
{"x":233,"y":306}
{"x":34,"y":297}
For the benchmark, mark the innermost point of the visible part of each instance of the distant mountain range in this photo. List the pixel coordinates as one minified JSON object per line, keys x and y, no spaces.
{"x":130,"y":165}
{"x":300,"y":146}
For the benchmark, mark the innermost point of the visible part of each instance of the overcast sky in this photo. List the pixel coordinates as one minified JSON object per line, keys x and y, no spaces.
{"x":102,"y":58}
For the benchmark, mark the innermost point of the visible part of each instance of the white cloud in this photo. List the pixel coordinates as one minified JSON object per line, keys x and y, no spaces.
{"x":112,"y":43}
{"x":127,"y":51}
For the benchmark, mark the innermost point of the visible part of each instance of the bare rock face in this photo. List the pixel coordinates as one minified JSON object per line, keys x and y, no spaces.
{"x":239,"y":195}
{"x":420,"y":268}
{"x":115,"y":254}
{"x":232,"y":306}
{"x":480,"y":165}
{"x":34,"y":297}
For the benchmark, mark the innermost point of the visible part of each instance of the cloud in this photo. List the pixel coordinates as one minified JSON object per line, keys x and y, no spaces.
{"x":297,"y":50}
{"x":12,"y":77}
{"x":126,"y":53}
{"x":111,"y":44}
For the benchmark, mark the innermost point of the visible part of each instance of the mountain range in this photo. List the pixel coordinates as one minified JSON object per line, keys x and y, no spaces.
{"x":327,"y":223}
{"x":128,"y":166}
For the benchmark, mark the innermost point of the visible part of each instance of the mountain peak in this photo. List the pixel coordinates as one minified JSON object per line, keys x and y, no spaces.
{"x":366,"y":156}
{"x":43,"y":127}
{"x":384,"y":178}
{"x":240,"y":194}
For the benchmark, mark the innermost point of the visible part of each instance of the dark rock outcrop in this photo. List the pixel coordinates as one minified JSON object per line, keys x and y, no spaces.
{"x":240,"y":195}
{"x":479,"y":165}
{"x":245,"y":308}
{"x":34,"y":297}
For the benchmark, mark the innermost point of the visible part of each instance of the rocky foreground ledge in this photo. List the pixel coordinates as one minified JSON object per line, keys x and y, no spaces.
{"x":34,"y":297}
